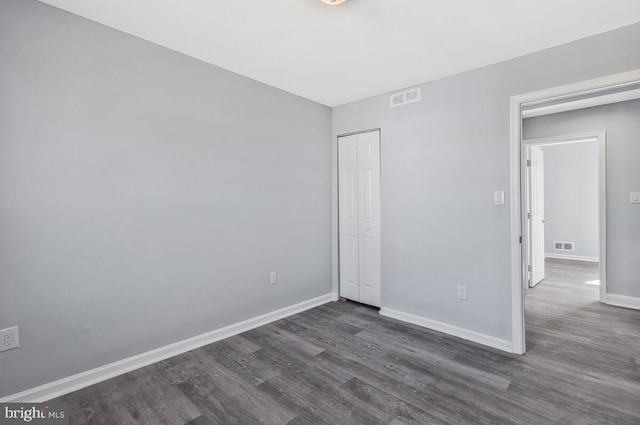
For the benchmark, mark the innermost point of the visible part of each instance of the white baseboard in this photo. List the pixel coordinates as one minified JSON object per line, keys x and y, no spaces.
{"x":623,"y":301}
{"x":473,"y":336}
{"x":84,"y":379}
{"x":573,"y":257}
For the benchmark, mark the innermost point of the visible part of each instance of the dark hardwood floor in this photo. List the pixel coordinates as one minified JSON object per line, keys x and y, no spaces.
{"x":343,"y":363}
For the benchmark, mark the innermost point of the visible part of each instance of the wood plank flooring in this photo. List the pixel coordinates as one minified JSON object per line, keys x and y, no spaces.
{"x":343,"y":363}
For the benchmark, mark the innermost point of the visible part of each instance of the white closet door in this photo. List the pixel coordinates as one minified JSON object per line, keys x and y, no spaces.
{"x":369,"y":216}
{"x":348,"y":216}
{"x":359,"y":212}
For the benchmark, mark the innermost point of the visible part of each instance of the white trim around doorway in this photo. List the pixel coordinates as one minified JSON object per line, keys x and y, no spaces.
{"x":594,"y":87}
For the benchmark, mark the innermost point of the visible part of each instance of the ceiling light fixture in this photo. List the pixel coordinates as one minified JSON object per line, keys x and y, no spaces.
{"x":333,"y":2}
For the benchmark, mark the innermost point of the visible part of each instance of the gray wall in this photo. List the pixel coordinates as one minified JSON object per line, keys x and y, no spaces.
{"x":442,"y":159}
{"x":571,"y":197}
{"x":622,"y":123}
{"x":145,"y":196}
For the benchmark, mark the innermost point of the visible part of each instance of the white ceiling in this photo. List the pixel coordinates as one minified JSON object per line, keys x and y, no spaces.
{"x":339,"y":54}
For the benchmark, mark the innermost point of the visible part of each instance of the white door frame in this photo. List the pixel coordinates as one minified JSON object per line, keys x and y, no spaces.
{"x":600,"y":137}
{"x":518,"y":266}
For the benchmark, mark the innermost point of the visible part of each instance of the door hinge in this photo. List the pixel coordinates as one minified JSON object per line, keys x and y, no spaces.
{"x":520,"y":239}
{"x":529,"y":216}
{"x":528,"y":163}
{"x":529,"y":268}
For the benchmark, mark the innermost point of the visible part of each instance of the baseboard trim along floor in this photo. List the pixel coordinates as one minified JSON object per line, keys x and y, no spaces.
{"x":466,"y":334}
{"x":623,"y":301}
{"x":84,"y":379}
{"x":572,"y":257}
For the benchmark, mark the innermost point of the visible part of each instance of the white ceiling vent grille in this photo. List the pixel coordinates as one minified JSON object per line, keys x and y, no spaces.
{"x":409,"y":96}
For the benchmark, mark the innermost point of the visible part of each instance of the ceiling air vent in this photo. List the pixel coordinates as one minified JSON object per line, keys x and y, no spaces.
{"x":397,"y":100}
{"x":409,"y":96}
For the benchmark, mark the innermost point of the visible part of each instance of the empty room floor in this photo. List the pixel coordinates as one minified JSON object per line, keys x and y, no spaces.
{"x":343,"y":363}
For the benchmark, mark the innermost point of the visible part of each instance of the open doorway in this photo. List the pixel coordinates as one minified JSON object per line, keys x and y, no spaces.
{"x":565,"y":199}
{"x":585,"y":94}
{"x":564,"y":192}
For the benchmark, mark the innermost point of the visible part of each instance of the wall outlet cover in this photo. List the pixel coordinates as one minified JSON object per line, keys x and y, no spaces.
{"x":9,"y":338}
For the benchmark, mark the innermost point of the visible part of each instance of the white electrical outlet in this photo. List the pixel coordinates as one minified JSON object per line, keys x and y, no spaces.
{"x":462,"y":292}
{"x":273,"y":278}
{"x":9,"y":339}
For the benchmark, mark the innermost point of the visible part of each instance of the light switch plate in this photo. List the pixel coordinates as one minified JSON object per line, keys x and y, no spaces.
{"x":498,"y":197}
{"x":635,"y":197}
{"x":462,"y":292}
